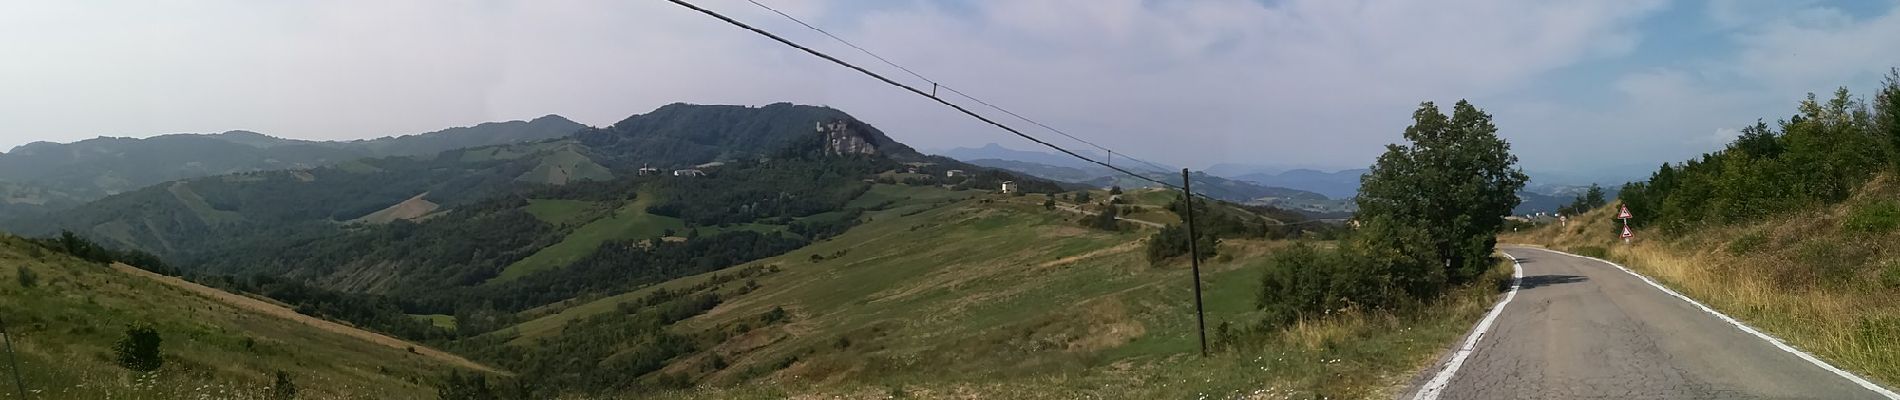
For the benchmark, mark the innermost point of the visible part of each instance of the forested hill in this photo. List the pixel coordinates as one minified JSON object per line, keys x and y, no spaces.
{"x":486,"y":232}
{"x":41,"y":177}
{"x":686,"y":134}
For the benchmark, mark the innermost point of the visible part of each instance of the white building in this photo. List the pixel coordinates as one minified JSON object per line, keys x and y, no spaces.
{"x":689,"y":172}
{"x":1010,"y":187}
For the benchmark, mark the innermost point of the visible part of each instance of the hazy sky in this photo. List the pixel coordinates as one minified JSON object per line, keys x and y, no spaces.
{"x":1574,"y":85}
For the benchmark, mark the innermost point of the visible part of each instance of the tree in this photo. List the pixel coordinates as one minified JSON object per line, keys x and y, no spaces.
{"x":1082,"y":196}
{"x":138,"y":351}
{"x":1886,"y":118}
{"x":1049,"y":204}
{"x":1104,"y":220}
{"x":1172,"y":241}
{"x":283,"y":388}
{"x":1456,"y":180}
{"x":1115,"y":190}
{"x":1589,"y":200}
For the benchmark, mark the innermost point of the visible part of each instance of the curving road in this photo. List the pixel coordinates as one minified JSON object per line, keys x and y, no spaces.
{"x":1579,"y":328}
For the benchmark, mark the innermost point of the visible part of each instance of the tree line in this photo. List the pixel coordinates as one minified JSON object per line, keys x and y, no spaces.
{"x":1817,"y":156}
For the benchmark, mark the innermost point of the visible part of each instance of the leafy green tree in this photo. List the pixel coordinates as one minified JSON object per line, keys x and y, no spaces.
{"x":1456,"y":179}
{"x":1886,"y":116}
{"x":1589,"y":200}
{"x":1082,"y":196}
{"x":1172,"y":241}
{"x":1104,"y":220}
{"x":138,"y":351}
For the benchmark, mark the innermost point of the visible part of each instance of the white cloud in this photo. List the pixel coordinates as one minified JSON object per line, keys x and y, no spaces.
{"x":1300,"y":81}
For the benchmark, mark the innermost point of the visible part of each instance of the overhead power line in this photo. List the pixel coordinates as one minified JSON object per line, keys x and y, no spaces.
{"x":912,"y":89}
{"x":933,"y":96}
{"x":934,"y":84}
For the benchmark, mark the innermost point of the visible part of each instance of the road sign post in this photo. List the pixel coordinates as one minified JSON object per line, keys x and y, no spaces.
{"x":1623,"y":213}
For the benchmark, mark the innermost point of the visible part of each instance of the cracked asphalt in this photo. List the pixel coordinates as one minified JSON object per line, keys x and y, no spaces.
{"x":1582,"y":329}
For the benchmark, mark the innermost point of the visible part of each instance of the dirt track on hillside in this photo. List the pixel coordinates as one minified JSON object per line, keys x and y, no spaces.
{"x":267,"y":308}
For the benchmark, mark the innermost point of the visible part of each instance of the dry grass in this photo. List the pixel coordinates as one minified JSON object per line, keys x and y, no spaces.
{"x":279,"y":311}
{"x":1813,"y":279}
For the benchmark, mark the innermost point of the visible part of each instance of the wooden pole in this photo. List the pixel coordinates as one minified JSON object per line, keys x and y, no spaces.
{"x":14,"y":361}
{"x":1194,"y":257}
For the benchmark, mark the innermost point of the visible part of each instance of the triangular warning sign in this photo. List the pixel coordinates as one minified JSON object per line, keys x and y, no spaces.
{"x":1623,"y":212}
{"x":1627,"y":233}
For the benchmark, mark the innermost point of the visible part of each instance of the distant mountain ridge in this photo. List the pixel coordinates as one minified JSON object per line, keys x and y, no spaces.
{"x":1338,"y":184}
{"x":44,"y":176}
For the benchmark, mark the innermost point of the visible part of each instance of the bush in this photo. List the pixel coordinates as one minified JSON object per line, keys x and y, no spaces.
{"x":1172,"y":241}
{"x":1104,"y":220}
{"x":28,"y":279}
{"x":1878,"y":217}
{"x":283,"y":389}
{"x":138,"y":351}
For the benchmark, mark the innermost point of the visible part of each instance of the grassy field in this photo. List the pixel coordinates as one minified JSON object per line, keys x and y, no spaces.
{"x":559,"y":211}
{"x":65,"y":324}
{"x":630,"y":221}
{"x":1823,"y":280}
{"x":441,"y":320}
{"x":997,"y":297}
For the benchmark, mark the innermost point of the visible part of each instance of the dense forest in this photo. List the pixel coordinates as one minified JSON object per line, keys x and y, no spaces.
{"x":1818,"y":156}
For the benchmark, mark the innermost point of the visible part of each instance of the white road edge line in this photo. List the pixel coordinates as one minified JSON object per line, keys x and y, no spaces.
{"x":1864,"y":383}
{"x":1432,"y":389}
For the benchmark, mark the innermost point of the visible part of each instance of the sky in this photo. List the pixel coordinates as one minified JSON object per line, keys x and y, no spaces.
{"x":1575,"y":86}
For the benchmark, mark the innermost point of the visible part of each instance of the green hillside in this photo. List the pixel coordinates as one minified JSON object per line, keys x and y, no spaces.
{"x":43,"y":177}
{"x":65,"y":323}
{"x":629,"y":222}
{"x":940,"y":295}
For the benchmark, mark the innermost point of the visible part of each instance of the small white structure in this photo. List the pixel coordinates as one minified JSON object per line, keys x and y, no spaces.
{"x":646,"y":170}
{"x":953,"y":173}
{"x":689,"y":172}
{"x":1010,"y":187}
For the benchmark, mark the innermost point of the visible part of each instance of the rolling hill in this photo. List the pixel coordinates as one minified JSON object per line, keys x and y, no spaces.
{"x":809,"y":250}
{"x":40,"y":177}
{"x":64,"y":323}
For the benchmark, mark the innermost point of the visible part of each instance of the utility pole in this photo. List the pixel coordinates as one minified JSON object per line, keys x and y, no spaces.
{"x":1194,"y":257}
{"x":17,"y":383}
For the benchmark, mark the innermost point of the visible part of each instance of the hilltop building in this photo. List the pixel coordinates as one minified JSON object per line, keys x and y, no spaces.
{"x":1010,"y":187}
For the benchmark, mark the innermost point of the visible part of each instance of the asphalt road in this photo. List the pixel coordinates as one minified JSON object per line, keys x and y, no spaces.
{"x":1583,"y":329}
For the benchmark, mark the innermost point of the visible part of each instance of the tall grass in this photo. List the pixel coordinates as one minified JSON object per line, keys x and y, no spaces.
{"x":1824,"y":280}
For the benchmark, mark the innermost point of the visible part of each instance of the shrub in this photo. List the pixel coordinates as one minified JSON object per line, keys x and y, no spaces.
{"x":28,"y":279}
{"x":1171,"y":242}
{"x":1877,"y":217}
{"x":138,"y":351}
